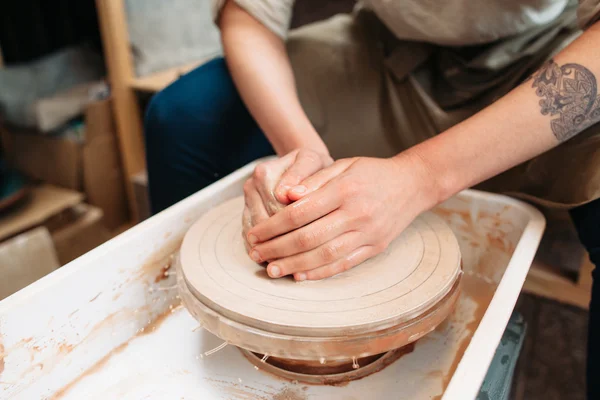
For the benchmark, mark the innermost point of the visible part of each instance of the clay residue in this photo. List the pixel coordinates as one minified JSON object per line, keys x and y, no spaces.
{"x":158,"y":321}
{"x":155,"y":264}
{"x":242,"y":392}
{"x":21,"y":343}
{"x":90,"y":371}
{"x":289,"y":394}
{"x":1,"y":358}
{"x":95,"y":297}
{"x":164,"y":272}
{"x":65,"y":347}
{"x":496,"y":238}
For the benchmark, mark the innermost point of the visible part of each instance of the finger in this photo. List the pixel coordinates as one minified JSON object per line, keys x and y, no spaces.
{"x":325,"y":254}
{"x":246,"y":225}
{"x":305,"y":164}
{"x":355,"y":258}
{"x":304,"y":239}
{"x":256,"y":208}
{"x":318,"y":180}
{"x":296,"y":215}
{"x":266,"y":176}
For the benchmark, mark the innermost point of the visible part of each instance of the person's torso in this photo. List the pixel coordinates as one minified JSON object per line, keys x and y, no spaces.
{"x":463,"y":22}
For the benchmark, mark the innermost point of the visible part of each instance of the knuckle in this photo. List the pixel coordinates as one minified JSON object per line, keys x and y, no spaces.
{"x":260,"y":172}
{"x":265,"y":252}
{"x":365,"y":209}
{"x":305,"y":240}
{"x":349,"y":188}
{"x":363,"y":214}
{"x":248,"y":186}
{"x":345,"y":265}
{"x":296,"y":216}
{"x":329,"y":252}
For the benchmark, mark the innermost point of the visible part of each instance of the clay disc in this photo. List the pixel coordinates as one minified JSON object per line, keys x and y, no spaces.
{"x":416,"y":271}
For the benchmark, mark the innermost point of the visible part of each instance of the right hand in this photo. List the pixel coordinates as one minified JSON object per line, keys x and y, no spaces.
{"x":266,"y":192}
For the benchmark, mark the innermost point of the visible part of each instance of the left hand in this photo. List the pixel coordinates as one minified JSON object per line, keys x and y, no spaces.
{"x":343,"y":215}
{"x":266,"y":191}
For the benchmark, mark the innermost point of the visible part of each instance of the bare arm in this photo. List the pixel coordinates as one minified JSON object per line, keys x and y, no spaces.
{"x":555,"y":104}
{"x":262,"y":73}
{"x":352,"y":210}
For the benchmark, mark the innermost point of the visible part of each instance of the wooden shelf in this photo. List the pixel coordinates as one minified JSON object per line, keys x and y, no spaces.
{"x":544,"y":281}
{"x":156,"y":82}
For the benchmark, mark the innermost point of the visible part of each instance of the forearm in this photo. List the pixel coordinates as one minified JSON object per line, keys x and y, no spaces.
{"x":533,"y":118}
{"x":261,"y":70}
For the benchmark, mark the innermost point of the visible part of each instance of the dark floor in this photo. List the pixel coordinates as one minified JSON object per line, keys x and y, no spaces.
{"x":552,"y":362}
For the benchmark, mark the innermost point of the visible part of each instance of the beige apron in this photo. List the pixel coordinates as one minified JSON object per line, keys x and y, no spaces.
{"x":369,"y":94}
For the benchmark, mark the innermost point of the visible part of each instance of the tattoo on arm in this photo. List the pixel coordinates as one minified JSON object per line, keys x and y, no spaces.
{"x":569,"y":93}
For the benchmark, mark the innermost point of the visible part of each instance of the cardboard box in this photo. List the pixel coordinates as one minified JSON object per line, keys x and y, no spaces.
{"x":63,"y":237}
{"x":45,"y":204}
{"x":54,"y":111}
{"x":75,"y":227}
{"x":90,"y":164}
{"x":24,"y":259}
{"x":85,"y":232}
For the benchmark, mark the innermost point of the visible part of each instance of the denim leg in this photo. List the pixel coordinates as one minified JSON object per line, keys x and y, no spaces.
{"x":587,"y":222}
{"x":197,"y":131}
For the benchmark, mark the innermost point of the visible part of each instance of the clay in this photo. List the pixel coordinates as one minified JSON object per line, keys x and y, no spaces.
{"x":382,"y":304}
{"x":416,"y":271}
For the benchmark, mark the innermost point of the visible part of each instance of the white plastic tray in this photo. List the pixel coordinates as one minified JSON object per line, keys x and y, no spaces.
{"x":106,"y":326}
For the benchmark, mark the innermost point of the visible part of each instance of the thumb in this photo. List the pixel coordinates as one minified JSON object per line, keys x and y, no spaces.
{"x":318,"y":180}
{"x":306,"y":164}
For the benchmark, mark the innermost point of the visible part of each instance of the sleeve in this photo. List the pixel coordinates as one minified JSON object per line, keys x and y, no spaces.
{"x":273,"y":14}
{"x":588,"y":13}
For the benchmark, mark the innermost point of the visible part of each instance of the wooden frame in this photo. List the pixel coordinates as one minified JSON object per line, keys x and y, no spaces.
{"x":115,"y":39}
{"x":544,"y":281}
{"x":124,"y":83}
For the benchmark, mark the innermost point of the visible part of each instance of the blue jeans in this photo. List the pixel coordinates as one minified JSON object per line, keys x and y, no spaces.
{"x":198,"y":130}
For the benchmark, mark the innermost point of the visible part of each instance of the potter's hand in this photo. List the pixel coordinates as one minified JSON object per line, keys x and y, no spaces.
{"x":342,"y":215}
{"x":266,"y":192}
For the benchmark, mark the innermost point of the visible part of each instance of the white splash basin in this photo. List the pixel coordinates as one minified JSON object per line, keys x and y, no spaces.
{"x":109,"y":325}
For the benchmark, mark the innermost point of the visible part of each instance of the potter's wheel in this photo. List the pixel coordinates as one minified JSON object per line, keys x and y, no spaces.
{"x":383,"y":304}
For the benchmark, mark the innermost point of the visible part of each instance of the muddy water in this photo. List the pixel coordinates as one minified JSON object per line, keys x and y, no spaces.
{"x":486,"y":242}
{"x":479,"y":292}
